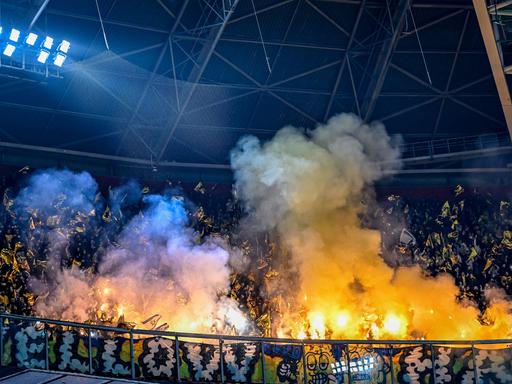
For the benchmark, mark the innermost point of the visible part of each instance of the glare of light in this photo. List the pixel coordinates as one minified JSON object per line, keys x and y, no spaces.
{"x":317,"y":323}
{"x":9,"y":50}
{"x":317,"y":320}
{"x":339,"y":367}
{"x":43,"y":56}
{"x":48,"y":42}
{"x":59,"y":59}
{"x":15,"y":35}
{"x":236,"y":318}
{"x":342,"y":320}
{"x":31,"y":38}
{"x":1,"y":29}
{"x":301,"y":335}
{"x":392,"y":324}
{"x":64,"y":46}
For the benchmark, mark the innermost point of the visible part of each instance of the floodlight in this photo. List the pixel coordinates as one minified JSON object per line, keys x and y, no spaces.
{"x":64,"y":46}
{"x":31,"y":39}
{"x":48,"y":42}
{"x":15,"y":35}
{"x":59,"y":59}
{"x":9,"y":50}
{"x":43,"y":56}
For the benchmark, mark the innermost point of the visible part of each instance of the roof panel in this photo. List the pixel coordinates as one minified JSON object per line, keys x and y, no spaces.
{"x":101,"y":92}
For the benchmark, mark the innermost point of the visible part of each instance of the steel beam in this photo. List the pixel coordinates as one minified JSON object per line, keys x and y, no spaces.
{"x":494,"y":56}
{"x":149,"y":82}
{"x":498,"y":6}
{"x":120,"y":159}
{"x":274,"y":61}
{"x":195,"y":77}
{"x":378,"y":4}
{"x":79,"y":16}
{"x":38,"y":14}
{"x":344,"y":63}
{"x":433,"y":22}
{"x":383,"y":60}
{"x":262,"y":10}
{"x":450,"y":76}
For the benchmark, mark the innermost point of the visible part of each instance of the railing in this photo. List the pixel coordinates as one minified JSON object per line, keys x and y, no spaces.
{"x":453,"y":145}
{"x":32,"y":342}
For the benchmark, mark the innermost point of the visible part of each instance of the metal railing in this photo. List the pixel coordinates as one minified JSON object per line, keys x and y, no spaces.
{"x":432,"y":148}
{"x":183,"y":337}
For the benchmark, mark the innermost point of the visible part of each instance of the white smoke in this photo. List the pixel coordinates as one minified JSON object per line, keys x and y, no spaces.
{"x":326,"y":169}
{"x":155,"y":265}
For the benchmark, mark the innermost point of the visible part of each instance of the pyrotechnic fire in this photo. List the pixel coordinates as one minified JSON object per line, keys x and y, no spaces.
{"x":329,"y":280}
{"x":395,"y":326}
{"x":309,"y":190}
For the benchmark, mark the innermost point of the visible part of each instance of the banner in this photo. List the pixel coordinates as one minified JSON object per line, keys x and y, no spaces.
{"x":155,"y":359}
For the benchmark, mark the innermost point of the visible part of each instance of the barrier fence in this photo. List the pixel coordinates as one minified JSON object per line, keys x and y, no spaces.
{"x":437,"y":147}
{"x":160,"y":356}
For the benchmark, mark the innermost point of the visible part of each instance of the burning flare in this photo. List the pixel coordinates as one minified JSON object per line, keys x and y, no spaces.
{"x":310,"y":188}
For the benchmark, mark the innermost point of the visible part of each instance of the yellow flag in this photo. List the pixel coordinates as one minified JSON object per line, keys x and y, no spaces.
{"x":472,"y":254}
{"x":507,"y":239}
{"x":445,"y":211}
{"x":488,"y":264}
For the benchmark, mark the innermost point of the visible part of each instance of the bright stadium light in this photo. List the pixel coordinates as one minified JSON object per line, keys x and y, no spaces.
{"x":31,"y":39}
{"x":43,"y":56}
{"x":15,"y":35}
{"x":9,"y":50}
{"x":35,"y":48}
{"x":48,"y":42}
{"x":59,"y":59}
{"x":64,"y":46}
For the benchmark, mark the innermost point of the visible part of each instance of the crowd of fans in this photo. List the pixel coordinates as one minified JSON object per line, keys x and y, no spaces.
{"x":468,"y":236}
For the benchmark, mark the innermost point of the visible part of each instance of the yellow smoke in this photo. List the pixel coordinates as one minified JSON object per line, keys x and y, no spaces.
{"x":309,"y":188}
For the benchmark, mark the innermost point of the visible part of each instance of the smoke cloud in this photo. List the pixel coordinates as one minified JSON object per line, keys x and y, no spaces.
{"x":154,"y":264}
{"x":309,"y":188}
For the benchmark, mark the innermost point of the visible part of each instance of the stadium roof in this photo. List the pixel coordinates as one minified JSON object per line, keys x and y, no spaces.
{"x":185,"y":79}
